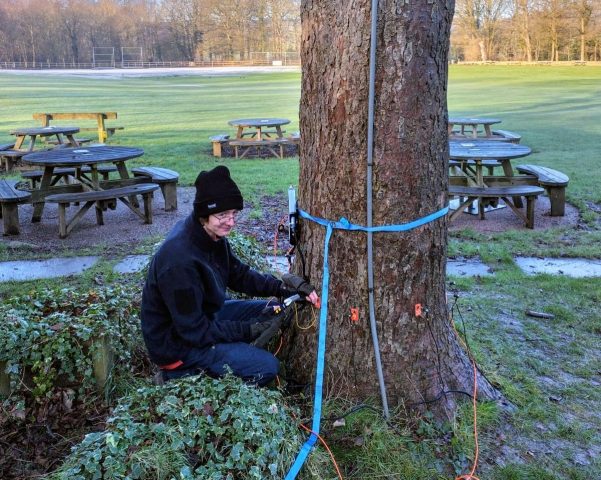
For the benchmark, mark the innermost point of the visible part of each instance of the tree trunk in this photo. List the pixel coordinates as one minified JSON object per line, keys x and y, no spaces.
{"x":582,"y":40}
{"x":421,"y":356}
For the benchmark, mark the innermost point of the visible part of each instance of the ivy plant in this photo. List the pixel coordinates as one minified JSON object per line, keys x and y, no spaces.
{"x":194,"y":428}
{"x":50,"y":336}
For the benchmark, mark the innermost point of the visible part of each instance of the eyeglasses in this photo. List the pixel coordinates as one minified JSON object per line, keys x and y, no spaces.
{"x":225,"y":217}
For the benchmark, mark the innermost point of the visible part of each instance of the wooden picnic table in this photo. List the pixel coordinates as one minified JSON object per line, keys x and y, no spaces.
{"x":33,"y":133}
{"x":88,"y":178}
{"x":472,"y":127}
{"x":472,"y":156}
{"x":257,"y":126}
{"x":478,"y":151}
{"x":100,"y":118}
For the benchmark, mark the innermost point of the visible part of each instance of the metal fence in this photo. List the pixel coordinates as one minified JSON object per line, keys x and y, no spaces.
{"x":140,"y":64}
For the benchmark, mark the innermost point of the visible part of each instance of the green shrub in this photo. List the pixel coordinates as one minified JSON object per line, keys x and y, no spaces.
{"x":50,"y":336}
{"x":193,"y":428}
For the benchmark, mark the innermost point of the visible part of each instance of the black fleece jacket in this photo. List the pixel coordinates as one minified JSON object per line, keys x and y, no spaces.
{"x":186,"y":286}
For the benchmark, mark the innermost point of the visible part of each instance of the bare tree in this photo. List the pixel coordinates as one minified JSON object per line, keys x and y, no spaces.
{"x":422,"y":359}
{"x":584,"y":10}
{"x":480,"y":19}
{"x":522,"y":19}
{"x":66,"y":30}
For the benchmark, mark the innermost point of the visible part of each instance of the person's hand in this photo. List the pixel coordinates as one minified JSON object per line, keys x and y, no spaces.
{"x":302,"y":286}
{"x":314,"y":299}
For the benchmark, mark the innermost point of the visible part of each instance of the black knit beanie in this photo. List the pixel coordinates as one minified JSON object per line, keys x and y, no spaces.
{"x":216,"y":192}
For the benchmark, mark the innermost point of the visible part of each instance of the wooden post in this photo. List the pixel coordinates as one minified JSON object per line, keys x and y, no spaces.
{"x":102,"y":360}
{"x":102,"y":135}
{"x":147,"y":197}
{"x":217,"y":149}
{"x":4,"y":381}
{"x":10,"y":214}
{"x":170,"y":195}
{"x":557,"y":196}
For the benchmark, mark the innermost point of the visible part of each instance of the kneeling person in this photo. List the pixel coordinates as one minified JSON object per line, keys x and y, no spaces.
{"x":188,"y":323}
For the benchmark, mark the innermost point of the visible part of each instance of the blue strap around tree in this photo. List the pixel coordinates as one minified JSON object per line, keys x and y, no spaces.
{"x":342,"y":224}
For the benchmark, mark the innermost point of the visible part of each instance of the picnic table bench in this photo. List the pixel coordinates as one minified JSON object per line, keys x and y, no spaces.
{"x":165,"y":178}
{"x":219,"y":141}
{"x":507,"y":136}
{"x":10,"y":198}
{"x":10,"y":158}
{"x":469,"y":166}
{"x":270,"y":144}
{"x":104,"y":131}
{"x":553,"y":181}
{"x":99,"y":197}
{"x":34,"y":176}
{"x":490,"y":194}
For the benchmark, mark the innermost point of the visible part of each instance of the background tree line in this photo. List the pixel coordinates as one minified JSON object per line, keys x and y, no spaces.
{"x":526,"y":30}
{"x":66,"y":31}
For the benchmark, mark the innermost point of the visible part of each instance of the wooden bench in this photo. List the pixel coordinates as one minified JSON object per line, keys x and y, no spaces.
{"x":11,"y":197}
{"x":6,"y":146}
{"x":468,"y":165}
{"x":34,"y":176}
{"x":294,"y":138}
{"x":553,"y":181}
{"x":99,"y":197}
{"x":165,"y":178}
{"x":10,"y":158}
{"x":271,"y":145}
{"x":508,"y":136}
{"x":218,"y":142}
{"x":267,"y":133}
{"x":104,"y":131}
{"x":491,"y":193}
{"x":80,"y":141}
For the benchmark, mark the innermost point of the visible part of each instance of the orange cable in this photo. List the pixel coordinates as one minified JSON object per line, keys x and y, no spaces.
{"x":277,"y":350}
{"x":327,"y":448}
{"x":322,"y":441}
{"x":471,"y":476}
{"x":275,"y":238}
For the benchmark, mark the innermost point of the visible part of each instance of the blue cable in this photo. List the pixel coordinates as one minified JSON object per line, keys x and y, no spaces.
{"x":342,"y":224}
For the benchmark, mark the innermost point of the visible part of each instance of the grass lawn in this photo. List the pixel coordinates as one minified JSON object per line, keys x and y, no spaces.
{"x":171,"y":118}
{"x":550,"y":370}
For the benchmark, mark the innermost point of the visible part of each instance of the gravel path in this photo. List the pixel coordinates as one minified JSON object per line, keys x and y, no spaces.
{"x":123,"y":231}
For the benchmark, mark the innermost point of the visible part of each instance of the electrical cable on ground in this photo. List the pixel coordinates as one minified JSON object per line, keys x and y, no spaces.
{"x":327,"y":448}
{"x":469,"y":476}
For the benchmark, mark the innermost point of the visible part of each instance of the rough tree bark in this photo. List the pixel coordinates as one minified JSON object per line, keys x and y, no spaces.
{"x":421,"y":356}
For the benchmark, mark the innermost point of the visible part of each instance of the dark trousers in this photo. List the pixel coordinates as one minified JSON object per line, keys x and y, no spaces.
{"x":253,"y":365}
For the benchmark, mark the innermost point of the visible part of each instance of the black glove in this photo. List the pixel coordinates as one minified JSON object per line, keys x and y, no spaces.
{"x":297,"y":284}
{"x":258,"y":328}
{"x":268,"y":332}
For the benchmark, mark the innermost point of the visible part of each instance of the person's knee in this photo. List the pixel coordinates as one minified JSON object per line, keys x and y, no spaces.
{"x":268,"y":370}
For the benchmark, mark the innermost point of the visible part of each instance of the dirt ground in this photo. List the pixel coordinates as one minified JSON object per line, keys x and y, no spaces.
{"x":122,"y":230}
